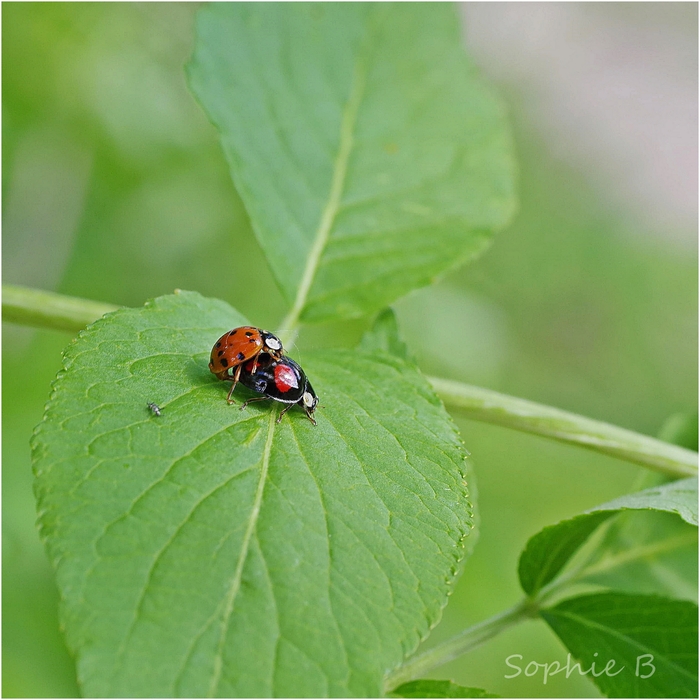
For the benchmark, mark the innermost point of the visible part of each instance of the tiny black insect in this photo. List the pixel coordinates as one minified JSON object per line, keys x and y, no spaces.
{"x":155,"y":408}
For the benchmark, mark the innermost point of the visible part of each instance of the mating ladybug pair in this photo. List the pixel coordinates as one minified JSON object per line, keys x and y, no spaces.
{"x":256,"y":359}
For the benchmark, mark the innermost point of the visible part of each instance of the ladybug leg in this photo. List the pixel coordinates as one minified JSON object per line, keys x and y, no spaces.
{"x":257,"y":398}
{"x":310,"y":417}
{"x":236,"y":377}
{"x":279,"y":418}
{"x":255,"y":364}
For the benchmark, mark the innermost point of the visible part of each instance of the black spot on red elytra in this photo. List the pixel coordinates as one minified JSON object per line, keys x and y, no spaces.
{"x":220,"y":353}
{"x":248,"y":333}
{"x":240,"y":356}
{"x":224,"y":362}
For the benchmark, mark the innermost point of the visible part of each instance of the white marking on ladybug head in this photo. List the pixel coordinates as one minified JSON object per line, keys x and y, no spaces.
{"x":273,"y":343}
{"x":308,"y":399}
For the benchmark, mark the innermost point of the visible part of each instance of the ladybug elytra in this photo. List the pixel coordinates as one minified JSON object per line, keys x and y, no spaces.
{"x":238,"y":346}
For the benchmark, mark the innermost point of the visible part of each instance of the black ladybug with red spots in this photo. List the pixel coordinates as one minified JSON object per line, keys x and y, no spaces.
{"x":280,"y":380}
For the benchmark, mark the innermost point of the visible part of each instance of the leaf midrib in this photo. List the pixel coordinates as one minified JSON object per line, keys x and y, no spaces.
{"x":340,"y":168}
{"x":237,"y":576}
{"x":645,"y":552}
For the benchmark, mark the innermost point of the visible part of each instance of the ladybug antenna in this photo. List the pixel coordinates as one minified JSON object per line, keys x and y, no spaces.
{"x":287,"y":333}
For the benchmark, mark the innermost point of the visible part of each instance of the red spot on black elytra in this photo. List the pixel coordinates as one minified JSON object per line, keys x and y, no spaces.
{"x":285,"y":378}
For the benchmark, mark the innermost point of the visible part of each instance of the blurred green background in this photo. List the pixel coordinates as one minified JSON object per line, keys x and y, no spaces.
{"x":115,"y":189}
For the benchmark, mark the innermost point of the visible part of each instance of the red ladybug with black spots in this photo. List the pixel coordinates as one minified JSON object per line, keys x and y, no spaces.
{"x":238,"y":346}
{"x":280,"y":380}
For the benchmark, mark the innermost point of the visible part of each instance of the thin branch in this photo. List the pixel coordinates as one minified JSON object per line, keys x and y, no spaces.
{"x":36,"y":307}
{"x":42,"y":309}
{"x":465,"y":641}
{"x":491,"y":407}
{"x":528,"y":608}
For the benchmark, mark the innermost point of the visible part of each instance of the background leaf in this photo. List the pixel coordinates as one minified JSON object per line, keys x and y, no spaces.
{"x":604,"y":626}
{"x":681,"y":429}
{"x":384,"y":336}
{"x":210,"y":551}
{"x":680,"y":497}
{"x":549,"y":550}
{"x":426,"y":688}
{"x":367,"y":169}
{"x":647,"y":552}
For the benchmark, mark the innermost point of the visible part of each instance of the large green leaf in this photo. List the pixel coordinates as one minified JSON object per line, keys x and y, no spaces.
{"x":370,"y":156}
{"x":652,"y":640}
{"x":547,"y":552}
{"x":209,"y":551}
{"x":384,"y":337}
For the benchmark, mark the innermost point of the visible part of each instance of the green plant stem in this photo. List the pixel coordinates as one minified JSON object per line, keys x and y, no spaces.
{"x":519,"y":414}
{"x":36,"y":307}
{"x":470,"y":638}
